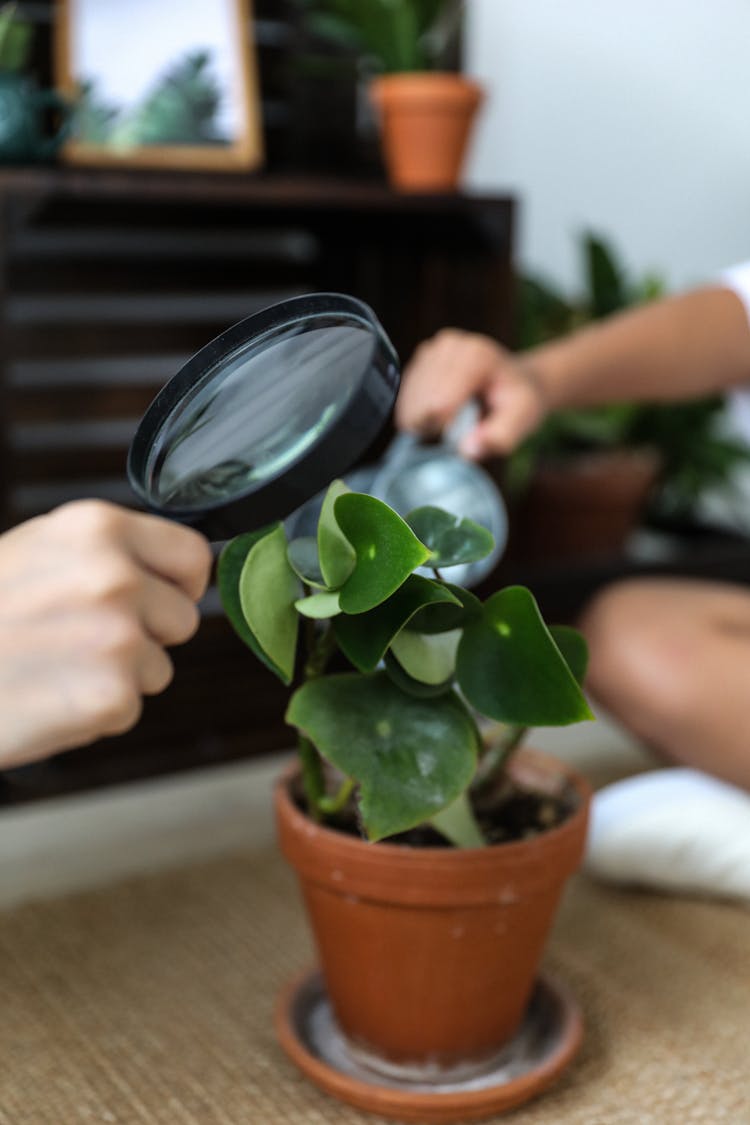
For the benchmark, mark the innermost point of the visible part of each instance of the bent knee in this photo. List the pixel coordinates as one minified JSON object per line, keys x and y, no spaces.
{"x":620,"y":614}
{"x":641,"y":652}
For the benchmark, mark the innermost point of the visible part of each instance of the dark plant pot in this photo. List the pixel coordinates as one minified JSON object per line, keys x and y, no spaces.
{"x":584,"y":507}
{"x":425,"y":124}
{"x":431,"y":954}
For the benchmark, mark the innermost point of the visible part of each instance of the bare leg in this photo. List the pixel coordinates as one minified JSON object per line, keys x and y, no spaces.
{"x":670,"y":660}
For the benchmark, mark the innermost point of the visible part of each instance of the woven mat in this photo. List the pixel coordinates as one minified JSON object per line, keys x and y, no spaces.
{"x":151,"y":1003}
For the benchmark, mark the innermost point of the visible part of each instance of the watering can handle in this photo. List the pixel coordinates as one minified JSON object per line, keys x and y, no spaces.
{"x":403,"y":446}
{"x":465,"y":420}
{"x":404,"y":443}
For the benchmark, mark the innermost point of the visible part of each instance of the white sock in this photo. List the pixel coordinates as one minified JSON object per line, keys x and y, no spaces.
{"x":675,"y":829}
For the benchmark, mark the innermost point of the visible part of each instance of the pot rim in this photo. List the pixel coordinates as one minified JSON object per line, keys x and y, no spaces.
{"x":426,"y":86}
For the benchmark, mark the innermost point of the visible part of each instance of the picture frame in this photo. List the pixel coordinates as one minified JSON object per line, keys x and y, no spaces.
{"x":160,"y":83}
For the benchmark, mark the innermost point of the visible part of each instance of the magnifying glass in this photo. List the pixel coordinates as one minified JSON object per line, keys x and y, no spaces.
{"x":266,"y":415}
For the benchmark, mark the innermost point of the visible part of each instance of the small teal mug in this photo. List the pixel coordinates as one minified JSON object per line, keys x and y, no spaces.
{"x":23,"y":137}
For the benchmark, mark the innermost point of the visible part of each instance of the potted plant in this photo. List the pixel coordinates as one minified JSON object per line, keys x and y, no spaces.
{"x":425,"y":111}
{"x":23,"y":106}
{"x":585,"y":478}
{"x":430,"y":855}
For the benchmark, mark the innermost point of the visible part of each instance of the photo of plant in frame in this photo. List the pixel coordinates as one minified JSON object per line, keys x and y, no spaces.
{"x":160,"y":83}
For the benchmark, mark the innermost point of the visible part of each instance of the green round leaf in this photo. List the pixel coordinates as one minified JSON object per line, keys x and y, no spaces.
{"x":431,"y":659}
{"x":335,"y":552}
{"x":410,"y":757}
{"x":231,"y":562}
{"x":364,"y":637}
{"x":386,"y":548}
{"x":319,"y":605}
{"x":442,"y":618}
{"x":574,"y":649}
{"x":401,"y":678}
{"x":303,"y":558}
{"x":452,"y":541}
{"x":510,"y":669}
{"x":268,"y":589}
{"x":458,"y":824}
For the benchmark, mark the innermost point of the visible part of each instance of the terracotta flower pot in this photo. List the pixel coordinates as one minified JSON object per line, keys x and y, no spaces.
{"x":430,"y":954}
{"x":583,"y":507}
{"x":425,"y":122}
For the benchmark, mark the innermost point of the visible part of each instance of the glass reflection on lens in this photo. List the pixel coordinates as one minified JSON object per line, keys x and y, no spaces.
{"x":259,"y":410}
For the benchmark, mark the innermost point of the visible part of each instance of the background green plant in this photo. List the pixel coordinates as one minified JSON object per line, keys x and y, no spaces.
{"x":15,"y":41}
{"x":181,"y":108}
{"x":393,"y":35}
{"x":695,"y":455}
{"x":427,"y":658}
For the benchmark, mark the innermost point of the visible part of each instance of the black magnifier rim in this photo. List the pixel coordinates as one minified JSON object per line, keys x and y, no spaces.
{"x":364,"y":415}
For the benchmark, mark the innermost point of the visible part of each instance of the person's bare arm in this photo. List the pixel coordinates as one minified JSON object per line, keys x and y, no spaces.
{"x":90,"y":596}
{"x":680,"y":347}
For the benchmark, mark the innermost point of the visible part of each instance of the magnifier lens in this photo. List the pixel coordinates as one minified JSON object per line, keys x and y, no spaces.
{"x":257,"y":411}
{"x":265,"y":415}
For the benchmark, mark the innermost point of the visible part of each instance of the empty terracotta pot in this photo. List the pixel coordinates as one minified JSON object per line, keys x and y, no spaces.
{"x":425,"y":122}
{"x":430,"y":954}
{"x":586,"y":506}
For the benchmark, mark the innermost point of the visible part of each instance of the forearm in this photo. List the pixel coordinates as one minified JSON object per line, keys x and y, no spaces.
{"x":682,"y":347}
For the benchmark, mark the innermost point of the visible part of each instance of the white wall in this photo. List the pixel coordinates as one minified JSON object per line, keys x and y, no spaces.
{"x":631,"y":117}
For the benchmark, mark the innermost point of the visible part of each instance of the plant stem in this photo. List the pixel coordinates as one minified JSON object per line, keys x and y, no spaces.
{"x":320,"y":648}
{"x":312,"y":776}
{"x":496,"y":757}
{"x":336,"y":802}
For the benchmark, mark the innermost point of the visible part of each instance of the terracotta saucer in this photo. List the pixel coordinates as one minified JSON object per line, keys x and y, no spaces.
{"x":547,"y":1040}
